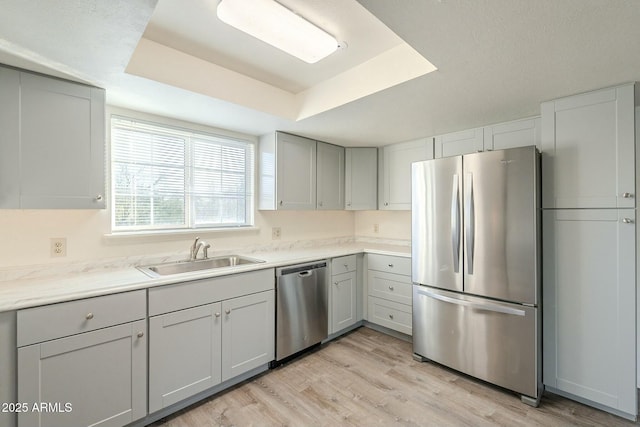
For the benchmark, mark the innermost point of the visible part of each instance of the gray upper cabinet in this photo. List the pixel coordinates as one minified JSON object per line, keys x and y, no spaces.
{"x":457,"y":143}
{"x":52,"y":150}
{"x":588,"y":150}
{"x":361,"y":178}
{"x":287,"y":172}
{"x":395,"y":179}
{"x":517,"y":133}
{"x":330,"y":178}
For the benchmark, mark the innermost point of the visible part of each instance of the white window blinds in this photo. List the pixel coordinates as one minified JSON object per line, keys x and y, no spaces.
{"x":167,"y":178}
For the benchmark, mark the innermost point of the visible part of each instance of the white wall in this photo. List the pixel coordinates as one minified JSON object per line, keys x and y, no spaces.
{"x":25,"y":235}
{"x":391,"y":224}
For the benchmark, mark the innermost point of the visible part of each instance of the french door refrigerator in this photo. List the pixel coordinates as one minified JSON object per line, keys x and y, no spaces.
{"x":476,"y":266}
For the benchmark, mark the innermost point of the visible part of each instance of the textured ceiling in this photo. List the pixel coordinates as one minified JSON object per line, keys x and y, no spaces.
{"x":496,"y":59}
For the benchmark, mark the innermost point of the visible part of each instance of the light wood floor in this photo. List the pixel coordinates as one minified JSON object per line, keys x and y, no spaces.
{"x":370,"y":379}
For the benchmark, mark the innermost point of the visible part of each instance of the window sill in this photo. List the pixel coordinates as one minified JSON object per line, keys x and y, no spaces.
{"x":177,"y":234}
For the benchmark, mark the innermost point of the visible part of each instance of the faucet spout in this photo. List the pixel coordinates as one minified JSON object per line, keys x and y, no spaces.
{"x":194,"y":249}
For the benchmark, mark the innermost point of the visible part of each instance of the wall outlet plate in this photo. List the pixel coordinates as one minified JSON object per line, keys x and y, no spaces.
{"x":275,"y":233}
{"x":58,"y":247}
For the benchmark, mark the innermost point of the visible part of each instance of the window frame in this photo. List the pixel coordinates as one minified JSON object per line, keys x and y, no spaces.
{"x":190,"y":132}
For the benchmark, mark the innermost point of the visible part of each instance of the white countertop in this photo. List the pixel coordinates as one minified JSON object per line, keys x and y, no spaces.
{"x":24,"y":293}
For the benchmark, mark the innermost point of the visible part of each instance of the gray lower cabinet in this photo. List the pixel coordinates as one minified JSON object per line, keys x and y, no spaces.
{"x":589,"y":304}
{"x":389,"y":292}
{"x":343,"y":301}
{"x":184,"y":354}
{"x":93,"y":378}
{"x":205,"y":332}
{"x":248,"y":329}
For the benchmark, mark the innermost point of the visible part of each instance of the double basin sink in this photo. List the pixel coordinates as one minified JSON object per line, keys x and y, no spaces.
{"x":170,"y":268}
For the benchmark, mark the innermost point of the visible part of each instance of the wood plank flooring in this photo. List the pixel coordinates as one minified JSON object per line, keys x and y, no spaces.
{"x":367,"y":378}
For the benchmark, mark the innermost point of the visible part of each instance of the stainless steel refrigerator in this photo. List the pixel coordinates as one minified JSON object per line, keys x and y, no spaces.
{"x":476,"y":266}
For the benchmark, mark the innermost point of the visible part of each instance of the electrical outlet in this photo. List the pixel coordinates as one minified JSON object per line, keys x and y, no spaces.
{"x":275,"y":233}
{"x":376,"y":228}
{"x":58,"y":246}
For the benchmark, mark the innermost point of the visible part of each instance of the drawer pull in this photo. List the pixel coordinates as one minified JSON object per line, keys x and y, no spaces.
{"x":390,"y":288}
{"x":391,"y":316}
{"x":89,"y":316}
{"x":217,"y":314}
{"x":140,"y":334}
{"x":335,"y":283}
{"x":390,"y":265}
{"x":346,"y":266}
{"x":228,"y":311}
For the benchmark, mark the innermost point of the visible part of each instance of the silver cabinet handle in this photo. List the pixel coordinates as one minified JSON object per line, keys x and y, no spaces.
{"x":335,"y":283}
{"x":390,"y":265}
{"x":627,"y":220}
{"x":386,"y":203}
{"x":227,"y":311}
{"x":390,"y":288}
{"x":348,"y":203}
{"x":99,"y":198}
{"x":455,"y":223}
{"x":469,"y":221}
{"x":627,"y":195}
{"x":140,"y":334}
{"x":217,"y":314}
{"x":391,"y":316}
{"x":280,"y":202}
{"x":89,"y":316}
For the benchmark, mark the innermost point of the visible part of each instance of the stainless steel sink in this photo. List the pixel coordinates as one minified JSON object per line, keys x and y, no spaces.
{"x":179,"y":267}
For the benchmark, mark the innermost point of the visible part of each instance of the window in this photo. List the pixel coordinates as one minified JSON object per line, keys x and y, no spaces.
{"x":168,"y":178}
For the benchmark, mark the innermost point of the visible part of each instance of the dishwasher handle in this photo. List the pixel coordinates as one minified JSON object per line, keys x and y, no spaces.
{"x":305,"y":273}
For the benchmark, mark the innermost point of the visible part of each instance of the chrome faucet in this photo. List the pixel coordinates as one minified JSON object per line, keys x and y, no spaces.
{"x":195,"y":247}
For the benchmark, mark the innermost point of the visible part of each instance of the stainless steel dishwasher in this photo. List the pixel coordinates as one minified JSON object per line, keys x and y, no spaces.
{"x":301,"y":307}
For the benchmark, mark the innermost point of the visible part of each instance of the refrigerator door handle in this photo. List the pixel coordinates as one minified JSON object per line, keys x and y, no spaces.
{"x":469,"y":221}
{"x":486,"y":306}
{"x":455,"y":223}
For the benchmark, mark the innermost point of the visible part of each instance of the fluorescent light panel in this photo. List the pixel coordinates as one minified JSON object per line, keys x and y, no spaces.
{"x":276,"y":25}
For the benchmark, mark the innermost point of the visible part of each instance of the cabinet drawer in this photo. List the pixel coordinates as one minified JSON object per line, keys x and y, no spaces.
{"x":390,"y":264}
{"x":49,"y":322}
{"x":165,"y":299}
{"x":390,"y":314}
{"x":394,"y":287}
{"x":343,"y":264}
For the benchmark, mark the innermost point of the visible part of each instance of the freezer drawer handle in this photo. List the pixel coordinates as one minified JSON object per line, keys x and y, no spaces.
{"x":455,"y":224}
{"x":469,"y":222}
{"x":480,"y":306}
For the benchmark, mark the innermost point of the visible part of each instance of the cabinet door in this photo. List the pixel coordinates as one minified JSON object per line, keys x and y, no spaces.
{"x":295,"y":172}
{"x":518,"y":133}
{"x":396,"y":181}
{"x":361,"y":179}
{"x":184,"y":354}
{"x":588,"y":150}
{"x":96,"y":378}
{"x":9,"y":138}
{"x":589,"y":305}
{"x":330,"y":188}
{"x":458,"y":143}
{"x":343,"y":301}
{"x":248,"y":329}
{"x":61,"y":144}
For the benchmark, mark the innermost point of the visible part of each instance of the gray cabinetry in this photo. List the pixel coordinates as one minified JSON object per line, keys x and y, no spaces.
{"x":458,"y":143}
{"x":287,"y":168}
{"x":184,"y":354}
{"x":589,"y":150}
{"x":52,"y":146}
{"x":344,"y":295}
{"x":361,"y":179}
{"x":396,"y":159}
{"x":589,"y":306}
{"x":205,"y":332}
{"x":248,"y":330}
{"x":389,"y":292}
{"x":330,"y":180}
{"x":96,"y":377}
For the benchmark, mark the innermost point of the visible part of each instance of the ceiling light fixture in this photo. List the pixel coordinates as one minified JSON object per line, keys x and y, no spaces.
{"x":278,"y":26}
